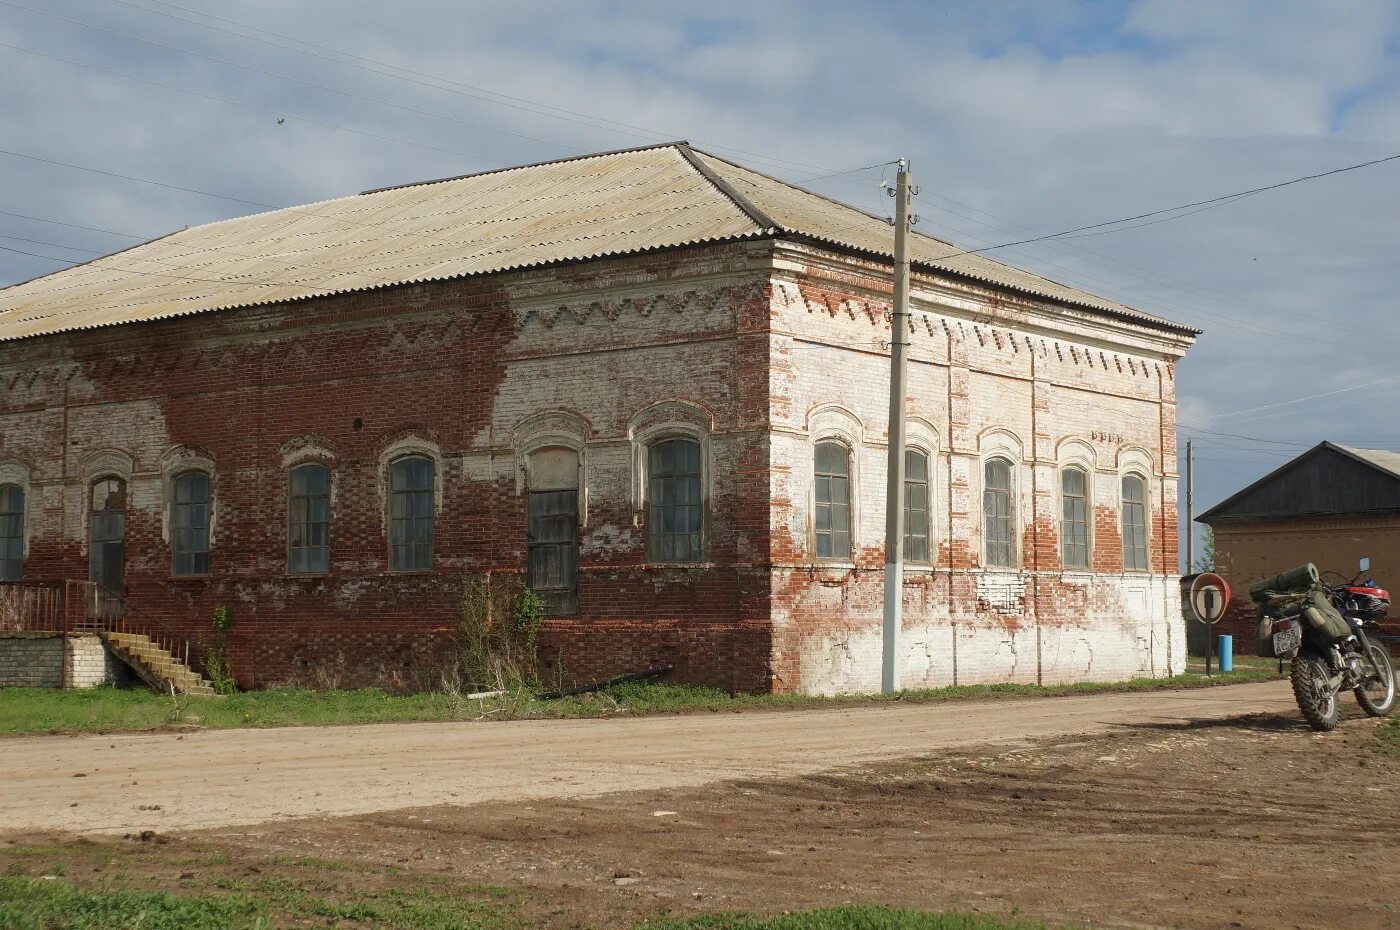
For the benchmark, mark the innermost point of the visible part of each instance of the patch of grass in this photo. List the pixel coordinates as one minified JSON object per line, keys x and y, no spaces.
{"x":48,"y":904}
{"x":859,"y":917}
{"x":1389,"y":733}
{"x":30,"y":710}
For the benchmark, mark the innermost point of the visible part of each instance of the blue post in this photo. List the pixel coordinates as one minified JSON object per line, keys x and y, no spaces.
{"x":1227,"y":652}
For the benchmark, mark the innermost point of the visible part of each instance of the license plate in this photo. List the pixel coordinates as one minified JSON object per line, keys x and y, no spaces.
{"x":1286,"y":641}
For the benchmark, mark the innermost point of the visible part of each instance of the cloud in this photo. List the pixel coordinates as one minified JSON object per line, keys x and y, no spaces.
{"x":1044,"y":115}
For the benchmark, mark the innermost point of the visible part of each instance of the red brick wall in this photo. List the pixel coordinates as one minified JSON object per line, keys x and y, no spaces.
{"x":454,"y":364}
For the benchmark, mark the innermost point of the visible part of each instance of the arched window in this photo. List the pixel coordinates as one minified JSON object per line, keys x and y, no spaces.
{"x":832,"y":519}
{"x":998,"y":517}
{"x":189,"y":524}
{"x":309,"y":519}
{"x":1074,"y":518}
{"x":916,"y":506}
{"x":11,"y":532}
{"x":411,"y":509}
{"x":1134,"y":524}
{"x":674,"y":510}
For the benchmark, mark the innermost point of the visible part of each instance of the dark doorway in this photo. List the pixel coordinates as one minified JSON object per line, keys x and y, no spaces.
{"x":107,"y":546}
{"x":552,"y":549}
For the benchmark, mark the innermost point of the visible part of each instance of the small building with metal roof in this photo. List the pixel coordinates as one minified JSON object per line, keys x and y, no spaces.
{"x":1332,"y":506}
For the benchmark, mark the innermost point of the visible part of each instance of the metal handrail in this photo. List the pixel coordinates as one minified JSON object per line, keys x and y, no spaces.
{"x":31,"y":606}
{"x":130,"y":618}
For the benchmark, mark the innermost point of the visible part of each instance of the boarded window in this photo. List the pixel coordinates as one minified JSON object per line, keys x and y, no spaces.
{"x":832,"y":518}
{"x":309,"y":520}
{"x":11,"y":532}
{"x":1074,"y":518}
{"x":998,"y":521}
{"x":189,"y":524}
{"x":411,"y":514}
{"x":1134,"y":524}
{"x":551,"y":549}
{"x":916,"y":506}
{"x":674,"y":507}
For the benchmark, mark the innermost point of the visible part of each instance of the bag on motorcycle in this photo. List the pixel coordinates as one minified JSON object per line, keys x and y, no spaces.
{"x":1300,"y":578}
{"x":1325,"y":618}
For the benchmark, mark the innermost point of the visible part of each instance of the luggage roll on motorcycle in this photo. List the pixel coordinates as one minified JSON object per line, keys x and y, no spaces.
{"x":1321,"y":627}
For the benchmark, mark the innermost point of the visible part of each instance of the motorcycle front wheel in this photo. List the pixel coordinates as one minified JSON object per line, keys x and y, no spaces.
{"x":1315,"y":697}
{"x":1376,"y":694}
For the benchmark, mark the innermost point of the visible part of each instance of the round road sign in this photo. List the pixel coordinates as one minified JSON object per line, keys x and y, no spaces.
{"x":1210,"y":597}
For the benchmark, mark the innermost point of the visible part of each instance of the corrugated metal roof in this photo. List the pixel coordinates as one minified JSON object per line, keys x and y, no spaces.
{"x":1383,"y":459}
{"x":801,"y":211}
{"x":589,"y":207}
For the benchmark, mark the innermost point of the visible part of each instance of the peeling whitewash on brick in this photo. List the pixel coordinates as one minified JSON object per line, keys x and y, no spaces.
{"x":756,"y":350}
{"x":1041,"y":387}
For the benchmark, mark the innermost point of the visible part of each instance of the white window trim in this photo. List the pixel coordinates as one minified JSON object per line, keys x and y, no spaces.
{"x":1074,"y":452}
{"x":672,"y":419}
{"x":837,"y":423}
{"x":550,"y":429}
{"x":401,"y":448}
{"x":176,"y":462}
{"x":1001,"y":443}
{"x":932,"y":482}
{"x":1147,"y":515}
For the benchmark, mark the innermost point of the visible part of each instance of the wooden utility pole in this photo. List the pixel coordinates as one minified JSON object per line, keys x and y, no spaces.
{"x":1190,"y":517}
{"x":894,"y":495}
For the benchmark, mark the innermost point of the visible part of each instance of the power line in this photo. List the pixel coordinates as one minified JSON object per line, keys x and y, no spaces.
{"x":1299,"y":400}
{"x":280,"y":114}
{"x":1214,"y":200}
{"x":40,"y":219}
{"x":128,"y":177}
{"x":989,"y":247}
{"x":288,"y":77}
{"x":469,"y":90}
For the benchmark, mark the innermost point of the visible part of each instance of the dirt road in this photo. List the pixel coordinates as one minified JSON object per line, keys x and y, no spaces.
{"x":213,"y":778}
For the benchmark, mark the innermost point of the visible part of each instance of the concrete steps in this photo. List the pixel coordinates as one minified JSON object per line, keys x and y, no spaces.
{"x":156,"y":665}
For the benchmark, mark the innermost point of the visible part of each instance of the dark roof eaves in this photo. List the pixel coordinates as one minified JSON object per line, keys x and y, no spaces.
{"x":1291,"y":463}
{"x":1324,"y":446}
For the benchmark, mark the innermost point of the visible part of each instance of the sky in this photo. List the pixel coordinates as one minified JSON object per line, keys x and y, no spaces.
{"x":1019,"y":117}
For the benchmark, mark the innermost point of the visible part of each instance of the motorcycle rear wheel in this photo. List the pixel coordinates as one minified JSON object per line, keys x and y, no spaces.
{"x":1379,"y":699}
{"x":1315,"y":699}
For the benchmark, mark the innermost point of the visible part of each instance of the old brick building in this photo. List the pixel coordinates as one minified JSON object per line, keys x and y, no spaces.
{"x":654,"y":376}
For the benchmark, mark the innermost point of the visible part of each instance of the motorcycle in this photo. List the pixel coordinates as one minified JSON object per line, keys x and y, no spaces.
{"x":1323,"y":631}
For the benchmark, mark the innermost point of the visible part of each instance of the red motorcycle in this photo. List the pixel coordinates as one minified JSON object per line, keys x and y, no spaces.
{"x":1324,"y":632}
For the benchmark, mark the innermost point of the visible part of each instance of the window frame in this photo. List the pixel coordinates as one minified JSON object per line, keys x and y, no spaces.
{"x":1087,"y":497}
{"x":1012,"y":523}
{"x":18,"y":540}
{"x":654,"y":535}
{"x":927,"y":482}
{"x":848,"y":452}
{"x":179,"y":507}
{"x":1123,"y":525}
{"x":431,"y":490}
{"x":310,"y":521}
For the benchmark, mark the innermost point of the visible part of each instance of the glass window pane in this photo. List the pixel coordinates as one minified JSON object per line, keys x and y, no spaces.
{"x":11,"y":532}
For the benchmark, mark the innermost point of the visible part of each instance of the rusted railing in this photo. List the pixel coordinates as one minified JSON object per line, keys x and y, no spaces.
{"x":94,"y":608}
{"x":73,"y":606}
{"x":34,"y":606}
